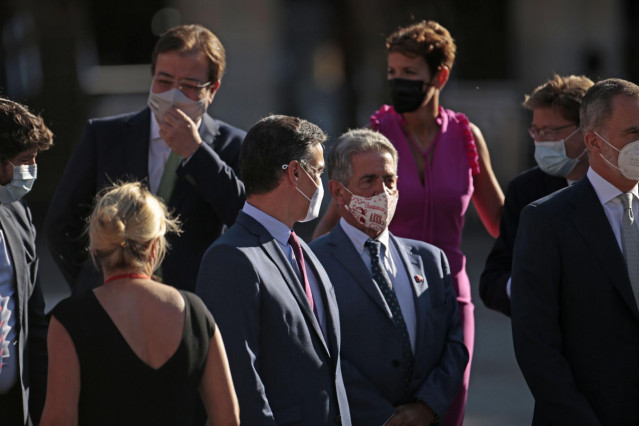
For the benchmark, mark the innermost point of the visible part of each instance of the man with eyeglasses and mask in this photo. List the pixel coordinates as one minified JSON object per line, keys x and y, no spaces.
{"x":403,"y":354}
{"x":575,"y":281}
{"x":23,"y":325}
{"x":561,"y":157}
{"x":188,"y":158}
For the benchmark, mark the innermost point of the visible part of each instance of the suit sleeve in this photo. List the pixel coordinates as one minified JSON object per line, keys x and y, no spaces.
{"x":37,"y":343}
{"x":442,"y":383}
{"x":71,"y":204}
{"x":229,"y":285}
{"x":214,"y":173}
{"x":497,"y":272}
{"x":537,"y":337}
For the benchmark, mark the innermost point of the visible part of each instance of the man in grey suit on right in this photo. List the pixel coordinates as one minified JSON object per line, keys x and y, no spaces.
{"x":268,"y":293}
{"x":403,"y":356}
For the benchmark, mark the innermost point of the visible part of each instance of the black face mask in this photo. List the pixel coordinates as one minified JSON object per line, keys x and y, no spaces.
{"x":407,"y":95}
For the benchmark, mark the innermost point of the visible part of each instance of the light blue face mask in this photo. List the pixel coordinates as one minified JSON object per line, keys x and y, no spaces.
{"x":552,"y":159}
{"x":23,"y":178}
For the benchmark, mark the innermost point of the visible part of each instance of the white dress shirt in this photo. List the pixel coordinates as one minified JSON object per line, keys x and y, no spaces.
{"x":395,"y":269}
{"x":281,"y":233}
{"x":9,"y":357}
{"x":613,"y":206}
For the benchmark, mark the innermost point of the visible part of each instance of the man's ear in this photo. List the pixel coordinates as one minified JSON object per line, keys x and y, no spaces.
{"x":292,"y":172}
{"x":337,"y":191}
{"x":212,"y":90}
{"x":592,"y":142}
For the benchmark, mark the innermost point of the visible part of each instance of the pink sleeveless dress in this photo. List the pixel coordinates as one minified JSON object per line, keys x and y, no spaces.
{"x":434,"y":212}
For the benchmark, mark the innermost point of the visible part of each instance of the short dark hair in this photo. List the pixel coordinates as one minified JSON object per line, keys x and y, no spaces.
{"x":272,"y":142}
{"x":562,"y":93}
{"x":596,"y":107}
{"x":193,"y":39}
{"x":21,"y":130}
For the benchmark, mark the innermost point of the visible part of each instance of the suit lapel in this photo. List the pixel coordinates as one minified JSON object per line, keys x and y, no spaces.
{"x":273,"y":251}
{"x":592,"y":223}
{"x":14,"y":243}
{"x":135,"y":138}
{"x":346,"y":255}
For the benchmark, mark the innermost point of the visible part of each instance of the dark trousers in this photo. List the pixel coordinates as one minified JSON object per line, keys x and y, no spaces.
{"x":11,"y":407}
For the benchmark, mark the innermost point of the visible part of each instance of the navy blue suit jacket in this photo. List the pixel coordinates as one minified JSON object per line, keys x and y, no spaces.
{"x":575,"y":320}
{"x":529,"y":186}
{"x":19,"y":234}
{"x":371,"y":343}
{"x":285,"y":369}
{"x":208,"y":193}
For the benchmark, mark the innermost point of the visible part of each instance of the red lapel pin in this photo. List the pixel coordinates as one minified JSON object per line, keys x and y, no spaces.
{"x":419,"y":278}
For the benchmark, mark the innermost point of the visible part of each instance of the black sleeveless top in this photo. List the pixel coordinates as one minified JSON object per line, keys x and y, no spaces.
{"x":117,"y":387}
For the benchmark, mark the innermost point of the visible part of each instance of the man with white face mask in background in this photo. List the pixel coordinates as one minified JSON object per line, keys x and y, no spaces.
{"x":188,"y":158}
{"x":575,"y":282}
{"x":268,"y":292}
{"x":23,"y":326}
{"x":403,"y":356}
{"x":562,"y":160}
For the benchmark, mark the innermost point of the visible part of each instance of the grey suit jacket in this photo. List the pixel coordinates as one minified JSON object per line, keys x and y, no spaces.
{"x":286,"y":371}
{"x":15,"y":220}
{"x":574,"y":317}
{"x":371,"y":344}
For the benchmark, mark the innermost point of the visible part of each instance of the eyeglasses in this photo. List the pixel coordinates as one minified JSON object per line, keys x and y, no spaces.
{"x":191,"y":88}
{"x":546,"y":133}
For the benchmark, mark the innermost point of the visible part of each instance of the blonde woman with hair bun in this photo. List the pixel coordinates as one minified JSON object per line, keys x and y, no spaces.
{"x":134,"y":350}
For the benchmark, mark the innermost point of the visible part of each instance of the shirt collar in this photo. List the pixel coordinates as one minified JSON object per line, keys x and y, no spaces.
{"x":280,"y":231}
{"x":359,"y":238}
{"x":605,"y":190}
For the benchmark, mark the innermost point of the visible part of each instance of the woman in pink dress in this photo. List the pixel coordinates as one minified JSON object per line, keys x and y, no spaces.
{"x":444,"y":163}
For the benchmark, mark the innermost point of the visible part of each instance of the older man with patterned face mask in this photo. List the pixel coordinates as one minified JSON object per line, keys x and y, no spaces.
{"x":403,"y":355}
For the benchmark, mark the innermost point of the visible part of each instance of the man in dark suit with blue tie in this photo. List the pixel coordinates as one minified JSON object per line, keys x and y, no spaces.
{"x":575,"y":282}
{"x":187,"y":157}
{"x":403,"y":356}
{"x":561,"y":157}
{"x":270,"y":296}
{"x":23,"y":326}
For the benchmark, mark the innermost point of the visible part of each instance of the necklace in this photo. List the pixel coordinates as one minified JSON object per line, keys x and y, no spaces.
{"x":130,"y":275}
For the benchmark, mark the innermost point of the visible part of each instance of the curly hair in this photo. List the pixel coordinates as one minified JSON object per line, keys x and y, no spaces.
{"x":21,"y":130}
{"x":427,"y":39}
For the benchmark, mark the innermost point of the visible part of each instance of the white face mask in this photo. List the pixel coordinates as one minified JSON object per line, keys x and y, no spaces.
{"x":551,"y":157}
{"x":374,"y":212}
{"x":160,"y":103}
{"x":23,"y":178}
{"x":315,"y":202}
{"x":628,"y":160}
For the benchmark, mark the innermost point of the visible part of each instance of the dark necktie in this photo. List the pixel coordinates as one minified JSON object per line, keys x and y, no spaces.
{"x":384,"y":285}
{"x":299,"y":257}
{"x":630,"y":242}
{"x":169,"y":177}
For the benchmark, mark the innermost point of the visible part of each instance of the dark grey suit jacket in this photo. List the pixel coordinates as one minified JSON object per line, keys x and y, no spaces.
{"x":575,"y":321}
{"x":529,"y":186}
{"x":372,"y":345}
{"x":15,"y":220}
{"x":208,"y":193}
{"x":286,"y":371}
